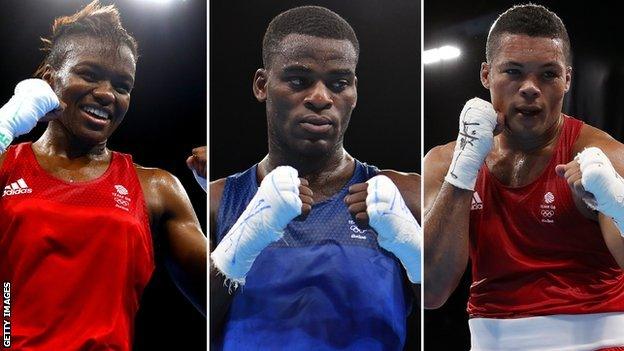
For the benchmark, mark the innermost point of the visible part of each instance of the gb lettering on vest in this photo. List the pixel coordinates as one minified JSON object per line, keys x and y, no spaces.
{"x":547,"y":208}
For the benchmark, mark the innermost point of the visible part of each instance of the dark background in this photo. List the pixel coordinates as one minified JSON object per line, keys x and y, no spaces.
{"x":596,"y":97}
{"x":385,"y":126}
{"x":167,"y":118}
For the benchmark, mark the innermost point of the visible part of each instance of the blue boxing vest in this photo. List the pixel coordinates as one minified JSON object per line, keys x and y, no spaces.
{"x":326,"y":285}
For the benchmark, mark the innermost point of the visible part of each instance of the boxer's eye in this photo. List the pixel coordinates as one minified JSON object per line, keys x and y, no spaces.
{"x":88,"y":76}
{"x":123,"y":88}
{"x":550,"y":75}
{"x":512,"y":72}
{"x":297,"y":82}
{"x":339,"y":85}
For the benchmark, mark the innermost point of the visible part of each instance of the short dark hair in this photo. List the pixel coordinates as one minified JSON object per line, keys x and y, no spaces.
{"x":93,"y":20}
{"x":307,"y":20}
{"x":532,"y":20}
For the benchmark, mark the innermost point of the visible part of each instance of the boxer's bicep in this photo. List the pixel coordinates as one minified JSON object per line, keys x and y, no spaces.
{"x":613,"y":239}
{"x":186,"y":245}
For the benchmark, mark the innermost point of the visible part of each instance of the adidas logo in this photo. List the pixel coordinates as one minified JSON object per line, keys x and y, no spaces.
{"x":16,"y":188}
{"x":476,"y":203}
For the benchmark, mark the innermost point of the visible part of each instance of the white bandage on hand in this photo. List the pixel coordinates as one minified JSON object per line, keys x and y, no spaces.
{"x":600,"y":178}
{"x":32,"y":100}
{"x":477,"y":122}
{"x":397,"y":229}
{"x":275,"y":204}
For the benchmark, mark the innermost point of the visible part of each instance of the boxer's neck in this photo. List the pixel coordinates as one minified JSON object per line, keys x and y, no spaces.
{"x":56,"y":140}
{"x":326,"y":174}
{"x":530,"y":144}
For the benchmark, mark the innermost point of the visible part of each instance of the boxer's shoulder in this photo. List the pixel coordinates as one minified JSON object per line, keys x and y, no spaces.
{"x":591,"y":136}
{"x":438,"y":160}
{"x":160,"y":189}
{"x":402,"y":180}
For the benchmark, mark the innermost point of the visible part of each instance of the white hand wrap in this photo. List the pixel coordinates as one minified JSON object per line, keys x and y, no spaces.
{"x":33,"y":98}
{"x":600,"y":178}
{"x":477,"y":122}
{"x":203,"y":182}
{"x":275,"y":204}
{"x":397,"y":229}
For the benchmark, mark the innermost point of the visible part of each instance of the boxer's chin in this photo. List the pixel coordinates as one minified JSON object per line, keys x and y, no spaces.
{"x":526,"y":126}
{"x":314,"y":148}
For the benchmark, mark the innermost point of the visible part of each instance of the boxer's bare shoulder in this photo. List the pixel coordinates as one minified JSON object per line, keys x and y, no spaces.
{"x":440,"y":156}
{"x":163,"y":193}
{"x":592,"y":136}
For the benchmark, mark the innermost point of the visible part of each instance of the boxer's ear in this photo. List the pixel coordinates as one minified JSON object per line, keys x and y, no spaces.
{"x":485,"y":75}
{"x":46,"y":73}
{"x":568,"y":78}
{"x":259,"y":86}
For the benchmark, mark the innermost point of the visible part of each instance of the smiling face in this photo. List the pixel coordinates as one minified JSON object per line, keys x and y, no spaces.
{"x":527,"y":78}
{"x":310,"y":92}
{"x":94,"y":80}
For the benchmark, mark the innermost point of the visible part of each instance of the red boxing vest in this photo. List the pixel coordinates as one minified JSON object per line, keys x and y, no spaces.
{"x":75,"y":256}
{"x":533,"y":253}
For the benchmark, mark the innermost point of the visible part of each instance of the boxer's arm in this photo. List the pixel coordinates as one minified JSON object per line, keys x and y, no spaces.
{"x":220,"y":297}
{"x":611,"y":234}
{"x":446,"y":219}
{"x":395,"y":219}
{"x":179,"y":231}
{"x":614,"y":150}
{"x":409,"y":187}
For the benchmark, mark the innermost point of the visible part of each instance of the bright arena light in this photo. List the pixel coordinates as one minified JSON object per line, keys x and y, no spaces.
{"x":440,"y":54}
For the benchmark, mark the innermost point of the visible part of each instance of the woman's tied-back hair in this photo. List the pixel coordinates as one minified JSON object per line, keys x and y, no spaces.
{"x":94,"y":20}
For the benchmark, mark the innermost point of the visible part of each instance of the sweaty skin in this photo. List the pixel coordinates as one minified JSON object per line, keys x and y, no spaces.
{"x":73,"y":148}
{"x":310,"y":90}
{"x":527,"y":80}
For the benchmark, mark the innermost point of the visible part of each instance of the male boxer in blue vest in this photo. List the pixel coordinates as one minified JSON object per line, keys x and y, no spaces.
{"x":313,"y":249}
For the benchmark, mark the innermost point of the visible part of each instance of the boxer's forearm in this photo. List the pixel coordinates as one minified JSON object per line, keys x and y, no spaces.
{"x":612,"y":238}
{"x":446,"y":243}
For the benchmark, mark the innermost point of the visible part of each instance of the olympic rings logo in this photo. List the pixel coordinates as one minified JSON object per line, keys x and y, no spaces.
{"x":122,"y":202}
{"x":548,"y":213}
{"x":357,"y":230}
